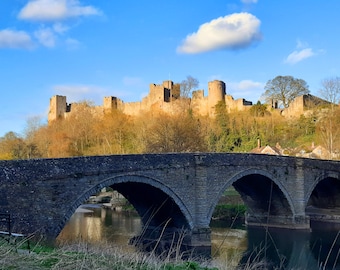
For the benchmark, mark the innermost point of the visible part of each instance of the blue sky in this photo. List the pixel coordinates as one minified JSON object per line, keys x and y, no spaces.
{"x":88,"y":49}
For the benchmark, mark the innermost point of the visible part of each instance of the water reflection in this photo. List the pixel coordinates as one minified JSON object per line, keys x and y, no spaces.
{"x":94,"y":224}
{"x":281,"y":249}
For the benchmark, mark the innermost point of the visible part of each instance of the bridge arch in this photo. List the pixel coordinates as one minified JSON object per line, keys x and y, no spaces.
{"x":280,"y":198}
{"x":137,"y":189}
{"x":324,"y":192}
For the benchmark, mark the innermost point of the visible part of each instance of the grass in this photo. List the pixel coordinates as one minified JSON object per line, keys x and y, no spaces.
{"x":229,"y":211}
{"x":104,"y":257}
{"x":84,"y":256}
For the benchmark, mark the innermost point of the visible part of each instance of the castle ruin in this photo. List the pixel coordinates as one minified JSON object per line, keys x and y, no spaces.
{"x":161,"y":98}
{"x":303,"y":105}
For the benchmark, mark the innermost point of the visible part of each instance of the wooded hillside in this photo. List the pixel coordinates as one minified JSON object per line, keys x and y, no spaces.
{"x":116,"y":133}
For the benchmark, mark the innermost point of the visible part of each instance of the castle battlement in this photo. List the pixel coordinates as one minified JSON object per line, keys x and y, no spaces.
{"x":163,"y":98}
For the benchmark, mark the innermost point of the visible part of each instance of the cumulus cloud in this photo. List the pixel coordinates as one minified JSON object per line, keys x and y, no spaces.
{"x":249,"y":1}
{"x":235,"y":31}
{"x":248,"y":89}
{"x":301,"y":53}
{"x":55,"y":10}
{"x":79,"y":92}
{"x":15,"y":39}
{"x":93,"y":93}
{"x":249,"y":84}
{"x":46,"y":37}
{"x":60,"y":28}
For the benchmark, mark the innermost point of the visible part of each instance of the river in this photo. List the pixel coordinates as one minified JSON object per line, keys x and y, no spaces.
{"x":281,"y":248}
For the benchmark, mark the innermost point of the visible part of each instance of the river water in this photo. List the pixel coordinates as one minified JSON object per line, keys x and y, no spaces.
{"x":280,"y":248}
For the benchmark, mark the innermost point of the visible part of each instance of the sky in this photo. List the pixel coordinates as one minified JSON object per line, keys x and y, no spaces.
{"x":89,"y":49}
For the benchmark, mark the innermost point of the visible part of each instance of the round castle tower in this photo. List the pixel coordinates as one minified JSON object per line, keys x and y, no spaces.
{"x":216,"y":93}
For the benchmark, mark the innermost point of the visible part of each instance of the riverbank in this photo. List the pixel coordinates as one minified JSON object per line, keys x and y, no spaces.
{"x":84,"y":256}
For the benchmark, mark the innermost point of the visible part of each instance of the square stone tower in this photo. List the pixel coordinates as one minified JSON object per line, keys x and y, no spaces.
{"x":58,"y":108}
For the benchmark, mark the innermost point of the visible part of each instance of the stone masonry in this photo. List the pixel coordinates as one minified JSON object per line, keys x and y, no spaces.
{"x":161,"y":98}
{"x":181,"y":190}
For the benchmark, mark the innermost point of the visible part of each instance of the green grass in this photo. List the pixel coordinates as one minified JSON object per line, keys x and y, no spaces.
{"x":84,"y":256}
{"x":223,"y":211}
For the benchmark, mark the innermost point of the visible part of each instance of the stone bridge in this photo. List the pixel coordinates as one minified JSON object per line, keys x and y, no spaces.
{"x":171,"y":192}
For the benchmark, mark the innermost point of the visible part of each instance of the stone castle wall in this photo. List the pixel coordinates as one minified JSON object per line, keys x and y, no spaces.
{"x":161,"y":98}
{"x":303,"y":105}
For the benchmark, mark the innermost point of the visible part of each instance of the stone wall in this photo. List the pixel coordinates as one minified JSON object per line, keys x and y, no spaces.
{"x":161,"y":98}
{"x":58,"y":107}
{"x":303,"y":105}
{"x":41,"y":195}
{"x":166,"y":98}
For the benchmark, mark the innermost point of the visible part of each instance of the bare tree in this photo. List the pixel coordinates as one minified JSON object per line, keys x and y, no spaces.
{"x":187,"y":86}
{"x":284,"y":89}
{"x":329,"y":131}
{"x":329,"y":124}
{"x":330,"y":90}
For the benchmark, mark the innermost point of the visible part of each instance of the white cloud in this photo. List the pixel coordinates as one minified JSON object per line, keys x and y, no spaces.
{"x":72,"y":43}
{"x":79,"y":92}
{"x":46,"y":37}
{"x":301,"y":44}
{"x":247,"y":89}
{"x":249,"y":1}
{"x":94,"y":93}
{"x":235,"y":31}
{"x":60,"y":28}
{"x":15,"y":39}
{"x":302,"y":52}
{"x":249,"y":84}
{"x":54,"y":10}
{"x":299,"y":55}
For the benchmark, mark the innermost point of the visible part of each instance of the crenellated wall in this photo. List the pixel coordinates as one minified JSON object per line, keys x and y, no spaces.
{"x":161,"y":98}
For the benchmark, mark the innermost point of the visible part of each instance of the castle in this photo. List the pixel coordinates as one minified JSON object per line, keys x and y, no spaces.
{"x":166,"y":98}
{"x":161,"y":98}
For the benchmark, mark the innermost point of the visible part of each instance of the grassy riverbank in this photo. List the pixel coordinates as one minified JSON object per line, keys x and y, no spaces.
{"x":84,"y":256}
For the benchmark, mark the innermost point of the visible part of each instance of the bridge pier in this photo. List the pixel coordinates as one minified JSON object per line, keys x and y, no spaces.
{"x":301,"y":222}
{"x":200,"y":242}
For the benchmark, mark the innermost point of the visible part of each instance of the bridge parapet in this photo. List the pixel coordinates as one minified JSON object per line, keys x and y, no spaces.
{"x":41,"y":195}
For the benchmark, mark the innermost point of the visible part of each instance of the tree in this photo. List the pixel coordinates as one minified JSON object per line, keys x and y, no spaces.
{"x":329,"y":131}
{"x":114,"y":133}
{"x":33,"y":124}
{"x":12,"y":146}
{"x":284,"y":89}
{"x":79,"y":127}
{"x":259,"y":110}
{"x":176,"y":133}
{"x":330,"y":90}
{"x":187,"y":86}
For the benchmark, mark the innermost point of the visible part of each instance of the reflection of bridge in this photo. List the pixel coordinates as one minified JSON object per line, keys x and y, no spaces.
{"x":176,"y":190}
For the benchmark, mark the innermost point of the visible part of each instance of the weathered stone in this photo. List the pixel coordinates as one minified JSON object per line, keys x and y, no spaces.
{"x":179,"y":191}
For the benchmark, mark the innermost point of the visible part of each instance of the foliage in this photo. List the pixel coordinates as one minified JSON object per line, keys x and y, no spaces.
{"x":259,"y":110}
{"x":229,"y":210}
{"x":284,"y":89}
{"x":12,"y":146}
{"x":187,"y":266}
{"x":86,"y":133}
{"x":328,"y":128}
{"x":179,"y":133}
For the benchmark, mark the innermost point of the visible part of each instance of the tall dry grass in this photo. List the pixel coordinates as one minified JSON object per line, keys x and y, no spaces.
{"x":85,"y":256}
